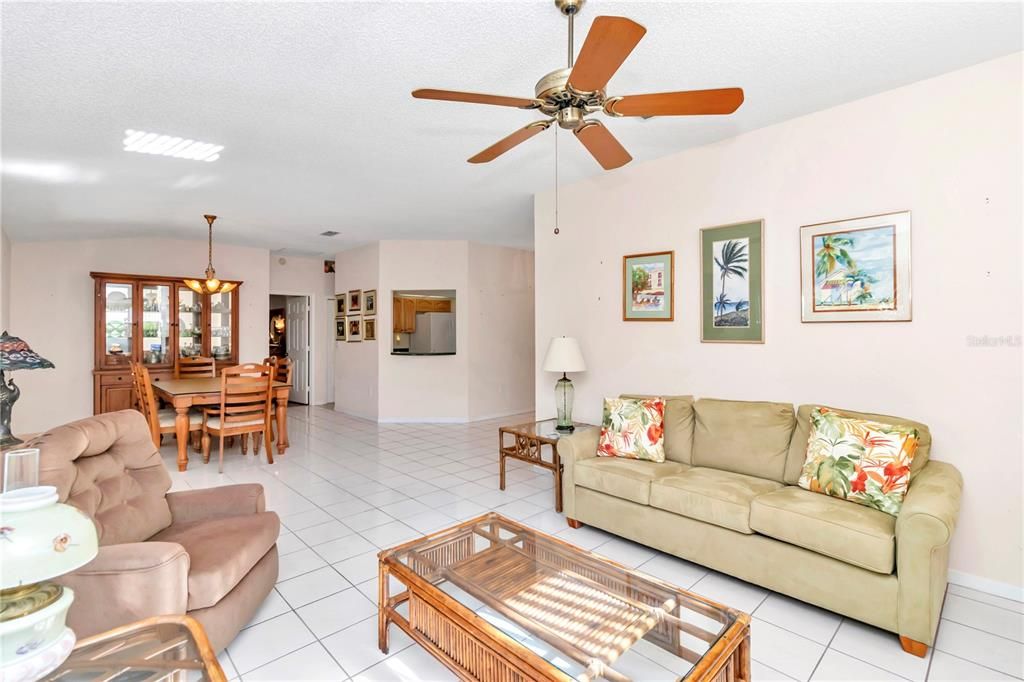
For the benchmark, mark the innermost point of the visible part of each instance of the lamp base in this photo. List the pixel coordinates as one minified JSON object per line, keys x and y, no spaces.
{"x":8,"y":440}
{"x":563,"y":404}
{"x":565,"y":429}
{"x":32,"y":631}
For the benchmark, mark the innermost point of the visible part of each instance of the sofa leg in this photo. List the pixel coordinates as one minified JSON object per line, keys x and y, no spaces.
{"x":912,"y":646}
{"x":573,"y":523}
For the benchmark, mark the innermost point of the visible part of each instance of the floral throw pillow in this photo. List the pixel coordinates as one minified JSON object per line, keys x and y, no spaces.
{"x":858,"y":460}
{"x":633,"y":428}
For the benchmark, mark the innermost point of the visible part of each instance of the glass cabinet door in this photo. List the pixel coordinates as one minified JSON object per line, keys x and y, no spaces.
{"x":117,"y":303}
{"x":190,"y":323}
{"x":157,"y":323}
{"x":221,"y":328}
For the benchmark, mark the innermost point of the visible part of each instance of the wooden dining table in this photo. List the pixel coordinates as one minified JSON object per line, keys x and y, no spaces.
{"x":187,"y":393}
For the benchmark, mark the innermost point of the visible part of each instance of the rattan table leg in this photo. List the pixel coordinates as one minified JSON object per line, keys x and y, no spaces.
{"x":501,"y":459}
{"x":383,"y":606}
{"x":558,"y":478}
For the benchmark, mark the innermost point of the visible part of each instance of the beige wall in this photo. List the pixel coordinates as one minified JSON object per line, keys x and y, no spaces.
{"x":949,"y":150}
{"x":501,"y":331}
{"x":356,"y":364}
{"x":491,"y":373}
{"x":52,"y":309}
{"x":424,"y":388}
{"x":306,"y":276}
{"x":5,"y":281}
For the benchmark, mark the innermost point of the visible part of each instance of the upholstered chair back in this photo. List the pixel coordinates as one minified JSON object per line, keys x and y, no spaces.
{"x":107,"y":466}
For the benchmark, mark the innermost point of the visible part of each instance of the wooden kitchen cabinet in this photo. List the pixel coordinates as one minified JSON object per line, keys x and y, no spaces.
{"x":404,"y":311}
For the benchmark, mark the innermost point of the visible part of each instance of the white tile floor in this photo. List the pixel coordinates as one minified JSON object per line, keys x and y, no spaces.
{"x":348,"y":487}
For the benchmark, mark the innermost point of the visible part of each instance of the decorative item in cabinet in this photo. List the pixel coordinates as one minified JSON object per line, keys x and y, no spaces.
{"x":154,"y":320}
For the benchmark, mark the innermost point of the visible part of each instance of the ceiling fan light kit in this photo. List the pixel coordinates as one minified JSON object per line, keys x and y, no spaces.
{"x":569,"y":95}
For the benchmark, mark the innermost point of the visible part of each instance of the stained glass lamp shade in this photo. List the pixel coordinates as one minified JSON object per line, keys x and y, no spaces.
{"x":14,"y":354}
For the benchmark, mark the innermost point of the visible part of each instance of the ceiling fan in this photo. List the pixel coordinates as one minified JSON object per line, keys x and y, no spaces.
{"x":571,"y":94}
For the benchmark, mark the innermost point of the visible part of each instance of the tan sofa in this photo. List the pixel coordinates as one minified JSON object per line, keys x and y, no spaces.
{"x":726,"y":497}
{"x":209,"y":553}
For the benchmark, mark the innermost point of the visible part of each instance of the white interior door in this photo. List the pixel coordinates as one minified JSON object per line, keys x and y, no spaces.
{"x":297,"y":331}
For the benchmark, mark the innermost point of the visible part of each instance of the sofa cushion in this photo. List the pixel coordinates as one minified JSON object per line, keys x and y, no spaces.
{"x":798,"y":446}
{"x":678,"y":426}
{"x":749,"y":438}
{"x":633,"y":428}
{"x":858,"y":460}
{"x":221,"y":552}
{"x":629,"y":479}
{"x":719,"y":497}
{"x":108,"y":467}
{"x":848,"y":532}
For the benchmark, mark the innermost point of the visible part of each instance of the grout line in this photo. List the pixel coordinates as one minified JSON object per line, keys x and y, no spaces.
{"x":980,"y":665}
{"x":977,"y":629}
{"x":1016,"y":612}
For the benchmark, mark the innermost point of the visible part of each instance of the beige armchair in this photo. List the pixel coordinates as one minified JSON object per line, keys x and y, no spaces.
{"x":209,"y":553}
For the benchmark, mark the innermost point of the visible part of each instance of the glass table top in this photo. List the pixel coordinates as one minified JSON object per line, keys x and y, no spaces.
{"x":545,"y":429}
{"x":582,"y":613}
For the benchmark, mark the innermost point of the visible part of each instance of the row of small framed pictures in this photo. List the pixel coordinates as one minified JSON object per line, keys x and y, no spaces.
{"x":355,"y":302}
{"x":355,"y":328}
{"x":854,"y":270}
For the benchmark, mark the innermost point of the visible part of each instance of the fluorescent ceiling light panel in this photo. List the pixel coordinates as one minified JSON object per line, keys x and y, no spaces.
{"x":165,"y":145}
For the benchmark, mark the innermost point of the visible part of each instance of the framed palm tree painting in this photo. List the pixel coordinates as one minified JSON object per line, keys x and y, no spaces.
{"x":732,"y":283}
{"x":856,"y":270}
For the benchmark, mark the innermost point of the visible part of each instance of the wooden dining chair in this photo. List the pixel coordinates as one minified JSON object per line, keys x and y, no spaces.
{"x":195,"y":368}
{"x":245,"y":398}
{"x":160,"y":421}
{"x":282,"y":372}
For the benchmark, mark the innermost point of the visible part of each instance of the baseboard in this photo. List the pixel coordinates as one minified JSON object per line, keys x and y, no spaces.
{"x":450,"y":420}
{"x":421,"y":420}
{"x":974,"y":582}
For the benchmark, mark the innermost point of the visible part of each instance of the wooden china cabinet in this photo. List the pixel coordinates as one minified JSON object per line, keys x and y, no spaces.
{"x":155,"y":320}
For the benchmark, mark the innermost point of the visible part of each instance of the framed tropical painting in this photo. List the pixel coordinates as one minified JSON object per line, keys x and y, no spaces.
{"x":856,"y":270}
{"x":732,"y":283}
{"x":648,"y":287}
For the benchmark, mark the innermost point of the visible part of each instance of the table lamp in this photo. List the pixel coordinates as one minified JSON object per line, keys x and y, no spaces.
{"x":14,"y":354}
{"x":40,"y":539}
{"x":564,"y":356}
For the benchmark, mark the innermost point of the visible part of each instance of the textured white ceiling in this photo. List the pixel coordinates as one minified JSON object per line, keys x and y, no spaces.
{"x":311,"y":101}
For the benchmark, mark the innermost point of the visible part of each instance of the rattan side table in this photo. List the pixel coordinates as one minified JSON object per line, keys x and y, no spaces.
{"x":528,"y":441}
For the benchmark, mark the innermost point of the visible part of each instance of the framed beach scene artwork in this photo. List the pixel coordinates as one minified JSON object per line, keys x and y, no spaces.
{"x":648,"y":287}
{"x":732,"y":283}
{"x":856,"y":270}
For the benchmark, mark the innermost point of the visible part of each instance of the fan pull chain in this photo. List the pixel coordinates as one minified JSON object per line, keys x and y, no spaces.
{"x":556,"y":179}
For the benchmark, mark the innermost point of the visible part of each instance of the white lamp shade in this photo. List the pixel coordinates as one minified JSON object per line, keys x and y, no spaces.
{"x":564,"y":356}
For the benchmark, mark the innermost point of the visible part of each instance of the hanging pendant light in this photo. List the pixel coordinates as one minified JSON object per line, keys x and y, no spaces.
{"x":211,"y":285}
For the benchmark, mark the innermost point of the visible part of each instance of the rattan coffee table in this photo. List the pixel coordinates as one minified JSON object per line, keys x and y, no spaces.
{"x":496,"y":601}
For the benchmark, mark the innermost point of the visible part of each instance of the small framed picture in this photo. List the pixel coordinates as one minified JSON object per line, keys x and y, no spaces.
{"x":339,"y":305}
{"x":340,"y":329}
{"x":355,"y":301}
{"x":369,"y":329}
{"x":856,"y":270}
{"x":732,"y":283}
{"x":648,"y":284}
{"x":370,"y":302}
{"x":355,"y":328}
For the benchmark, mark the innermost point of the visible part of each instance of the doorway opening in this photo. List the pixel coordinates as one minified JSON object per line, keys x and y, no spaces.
{"x":289,"y":338}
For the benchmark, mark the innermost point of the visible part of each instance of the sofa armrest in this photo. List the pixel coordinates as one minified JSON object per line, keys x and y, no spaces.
{"x":924,"y":530}
{"x":571,"y":449}
{"x":128,"y":582}
{"x":212,"y":503}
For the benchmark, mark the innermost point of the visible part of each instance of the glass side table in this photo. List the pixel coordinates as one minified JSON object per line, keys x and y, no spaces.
{"x":154,"y":649}
{"x":528,"y":441}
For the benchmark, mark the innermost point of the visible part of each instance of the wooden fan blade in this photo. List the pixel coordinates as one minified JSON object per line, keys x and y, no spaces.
{"x":503,"y":145}
{"x":686,"y":103}
{"x":602,"y":145}
{"x":475,"y":98}
{"x":609,"y":42}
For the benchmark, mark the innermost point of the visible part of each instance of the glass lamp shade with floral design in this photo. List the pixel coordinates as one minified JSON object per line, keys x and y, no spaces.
{"x":40,"y":539}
